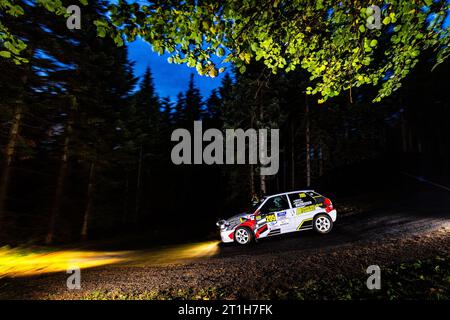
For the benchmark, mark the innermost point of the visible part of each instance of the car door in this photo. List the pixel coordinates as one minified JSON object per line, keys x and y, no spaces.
{"x":304,"y":209}
{"x":275,"y":213}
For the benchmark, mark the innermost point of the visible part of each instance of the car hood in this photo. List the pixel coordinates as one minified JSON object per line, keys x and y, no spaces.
{"x":234,"y":220}
{"x":238,"y":216}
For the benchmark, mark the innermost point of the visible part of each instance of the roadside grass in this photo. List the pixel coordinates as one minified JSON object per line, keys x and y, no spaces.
{"x":422,"y":279}
{"x":180,"y":294}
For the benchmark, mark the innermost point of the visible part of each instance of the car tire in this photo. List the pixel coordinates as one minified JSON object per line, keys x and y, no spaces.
{"x":243,"y":235}
{"x":323,"y":223}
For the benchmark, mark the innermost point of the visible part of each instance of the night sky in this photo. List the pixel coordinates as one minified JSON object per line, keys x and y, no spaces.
{"x":169,"y":79}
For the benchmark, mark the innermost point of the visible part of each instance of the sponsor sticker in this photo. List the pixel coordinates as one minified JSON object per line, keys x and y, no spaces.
{"x":281,"y":214}
{"x":305,"y":209}
{"x":301,"y":203}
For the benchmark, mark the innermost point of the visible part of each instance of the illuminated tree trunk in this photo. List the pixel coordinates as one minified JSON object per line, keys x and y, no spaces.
{"x":9,"y":156}
{"x":263,"y":184}
{"x":87,"y":211}
{"x":252,"y":180}
{"x":252,"y":167}
{"x":262,"y":178}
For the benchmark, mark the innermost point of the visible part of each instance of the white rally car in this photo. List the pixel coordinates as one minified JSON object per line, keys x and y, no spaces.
{"x":278,"y":214}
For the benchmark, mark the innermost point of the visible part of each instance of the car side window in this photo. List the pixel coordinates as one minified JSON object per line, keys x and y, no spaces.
{"x":275,"y":204}
{"x":301,"y":199}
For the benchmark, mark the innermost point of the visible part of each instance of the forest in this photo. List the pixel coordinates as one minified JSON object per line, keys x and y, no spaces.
{"x":86,"y":144}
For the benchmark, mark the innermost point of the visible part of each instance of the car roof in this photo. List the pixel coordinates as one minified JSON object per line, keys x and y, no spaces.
{"x":283,"y":193}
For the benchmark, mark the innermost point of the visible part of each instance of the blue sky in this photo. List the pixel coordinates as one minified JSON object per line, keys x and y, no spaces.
{"x":169,"y":78}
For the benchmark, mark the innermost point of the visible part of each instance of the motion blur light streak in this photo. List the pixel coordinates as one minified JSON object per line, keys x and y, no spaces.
{"x":26,"y":262}
{"x":177,"y":254}
{"x":29,"y":262}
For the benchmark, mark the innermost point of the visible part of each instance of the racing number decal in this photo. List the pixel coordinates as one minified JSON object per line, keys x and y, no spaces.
{"x":271,"y":218}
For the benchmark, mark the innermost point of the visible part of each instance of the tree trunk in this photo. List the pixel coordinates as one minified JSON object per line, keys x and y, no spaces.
{"x":9,"y":156}
{"x":262,"y":178}
{"x":58,"y":193}
{"x":403,"y":129}
{"x":125,"y":198}
{"x":308,"y":143}
{"x":263,"y":184}
{"x":410,"y":140}
{"x":138,"y":186}
{"x":87,"y":211}
{"x":285,"y":175}
{"x":320,"y":160}
{"x":292,"y":157}
{"x":63,"y":167}
{"x":252,"y":180}
{"x":252,"y":167}
{"x":11,"y":147}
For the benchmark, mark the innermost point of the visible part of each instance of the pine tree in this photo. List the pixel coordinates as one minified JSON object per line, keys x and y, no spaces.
{"x":166,"y":109}
{"x":144,"y":125}
{"x":193,"y":108}
{"x":76,"y":87}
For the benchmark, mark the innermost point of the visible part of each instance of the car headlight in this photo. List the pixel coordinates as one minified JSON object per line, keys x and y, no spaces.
{"x":222,"y":224}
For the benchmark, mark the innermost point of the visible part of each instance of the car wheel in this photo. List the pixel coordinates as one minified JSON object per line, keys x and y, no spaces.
{"x":322,"y":223}
{"x":243,"y":235}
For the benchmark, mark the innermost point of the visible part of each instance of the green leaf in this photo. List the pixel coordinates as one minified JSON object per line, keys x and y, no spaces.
{"x":101,"y":32}
{"x":118,"y":40}
{"x":366,"y":61}
{"x":220,"y":52}
{"x":5,"y":54}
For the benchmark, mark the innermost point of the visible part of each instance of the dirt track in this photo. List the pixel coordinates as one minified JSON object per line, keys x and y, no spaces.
{"x":413,"y":228}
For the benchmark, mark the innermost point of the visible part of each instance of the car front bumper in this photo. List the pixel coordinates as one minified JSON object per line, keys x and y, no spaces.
{"x":227,"y":236}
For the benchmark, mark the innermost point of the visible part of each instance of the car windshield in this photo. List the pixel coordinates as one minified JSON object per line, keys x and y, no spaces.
{"x":254,"y":205}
